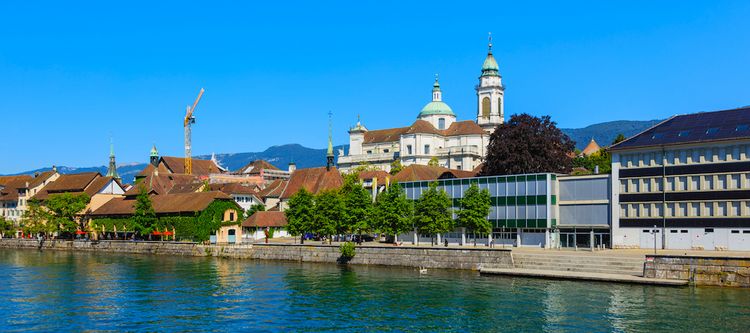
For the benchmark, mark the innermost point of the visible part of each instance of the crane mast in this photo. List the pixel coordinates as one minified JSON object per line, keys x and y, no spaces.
{"x":188,"y":122}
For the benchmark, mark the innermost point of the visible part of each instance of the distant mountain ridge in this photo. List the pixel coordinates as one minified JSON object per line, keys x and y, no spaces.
{"x":304,"y":157}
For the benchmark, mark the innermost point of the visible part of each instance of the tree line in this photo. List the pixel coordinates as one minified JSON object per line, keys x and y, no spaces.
{"x":350,"y":210}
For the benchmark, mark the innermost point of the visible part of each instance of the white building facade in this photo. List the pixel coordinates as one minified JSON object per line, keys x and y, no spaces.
{"x":684,"y":184}
{"x":436,"y":134}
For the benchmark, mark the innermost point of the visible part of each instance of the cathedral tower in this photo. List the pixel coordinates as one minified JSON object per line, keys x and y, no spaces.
{"x":490,"y":94}
{"x":112,"y":169}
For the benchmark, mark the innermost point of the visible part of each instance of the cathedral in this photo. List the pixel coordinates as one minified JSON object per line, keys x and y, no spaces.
{"x":436,"y":134}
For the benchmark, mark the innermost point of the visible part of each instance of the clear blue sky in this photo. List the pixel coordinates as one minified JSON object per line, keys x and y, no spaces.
{"x":72,"y":75}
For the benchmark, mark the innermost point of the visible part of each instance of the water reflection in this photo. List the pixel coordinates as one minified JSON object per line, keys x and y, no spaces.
{"x":51,"y":291}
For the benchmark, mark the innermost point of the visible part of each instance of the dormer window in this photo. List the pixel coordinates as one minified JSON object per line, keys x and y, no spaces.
{"x":441,"y":123}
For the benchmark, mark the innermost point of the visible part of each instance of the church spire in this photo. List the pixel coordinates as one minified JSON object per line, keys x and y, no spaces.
{"x":437,"y":95}
{"x":112,"y":169}
{"x":329,"y":152}
{"x":490,"y":67}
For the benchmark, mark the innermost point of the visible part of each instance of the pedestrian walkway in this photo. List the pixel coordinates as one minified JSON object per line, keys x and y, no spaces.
{"x":587,"y":276}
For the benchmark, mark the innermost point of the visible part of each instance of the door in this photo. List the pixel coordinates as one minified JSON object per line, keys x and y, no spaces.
{"x":739,"y":240}
{"x":231,"y":237}
{"x":650,"y":238}
{"x":704,"y":239}
{"x":678,"y":239}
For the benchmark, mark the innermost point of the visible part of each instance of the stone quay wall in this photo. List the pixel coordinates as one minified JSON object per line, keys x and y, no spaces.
{"x":702,"y":271}
{"x":450,"y":258}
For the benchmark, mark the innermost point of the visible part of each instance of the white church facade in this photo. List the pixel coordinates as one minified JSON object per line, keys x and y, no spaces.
{"x":436,"y":134}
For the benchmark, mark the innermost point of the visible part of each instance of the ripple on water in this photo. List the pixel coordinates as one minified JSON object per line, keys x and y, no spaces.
{"x":63,"y":291}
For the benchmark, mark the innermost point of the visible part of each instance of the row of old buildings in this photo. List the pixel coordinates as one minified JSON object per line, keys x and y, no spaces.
{"x":681,"y":184}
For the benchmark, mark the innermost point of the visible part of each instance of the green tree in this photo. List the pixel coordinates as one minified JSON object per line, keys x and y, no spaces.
{"x":434,"y":162}
{"x":396,"y":167}
{"x":601,"y":159}
{"x":528,"y":144}
{"x":300,"y":213}
{"x":329,"y":214}
{"x":618,"y":139}
{"x":64,"y":209}
{"x":474,"y":208}
{"x":357,"y":205}
{"x":34,"y":220}
{"x":144,"y":217}
{"x":432,"y":212}
{"x":6,"y":226}
{"x":254,"y":208}
{"x":392,"y":212}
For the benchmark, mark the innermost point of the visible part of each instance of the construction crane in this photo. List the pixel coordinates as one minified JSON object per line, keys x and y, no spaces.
{"x":190,"y":120}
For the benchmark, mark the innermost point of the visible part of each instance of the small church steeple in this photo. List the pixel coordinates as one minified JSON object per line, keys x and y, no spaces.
{"x":490,"y":93}
{"x":154,"y":158}
{"x":329,"y":152}
{"x":437,"y":95}
{"x":112,"y":169}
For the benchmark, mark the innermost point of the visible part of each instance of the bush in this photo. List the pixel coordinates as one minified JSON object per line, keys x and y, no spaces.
{"x":347,"y":250}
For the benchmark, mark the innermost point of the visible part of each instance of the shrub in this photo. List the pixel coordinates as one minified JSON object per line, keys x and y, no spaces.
{"x":347,"y":250}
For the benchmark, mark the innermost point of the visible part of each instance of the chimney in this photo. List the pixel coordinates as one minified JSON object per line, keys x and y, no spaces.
{"x":292,"y":167}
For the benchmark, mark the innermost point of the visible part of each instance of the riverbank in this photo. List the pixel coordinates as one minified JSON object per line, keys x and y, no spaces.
{"x":408,"y":256}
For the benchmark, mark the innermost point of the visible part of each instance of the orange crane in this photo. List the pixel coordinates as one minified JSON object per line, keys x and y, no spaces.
{"x":189,"y":120}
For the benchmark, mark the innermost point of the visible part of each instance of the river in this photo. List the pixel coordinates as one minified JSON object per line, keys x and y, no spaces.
{"x":69,"y":291}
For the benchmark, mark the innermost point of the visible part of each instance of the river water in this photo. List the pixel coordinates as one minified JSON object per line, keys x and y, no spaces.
{"x":68,"y":291}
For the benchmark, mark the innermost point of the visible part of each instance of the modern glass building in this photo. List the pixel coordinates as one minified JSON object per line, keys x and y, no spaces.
{"x":524,"y":208}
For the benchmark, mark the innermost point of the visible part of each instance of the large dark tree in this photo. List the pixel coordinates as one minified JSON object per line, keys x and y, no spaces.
{"x":528,"y":144}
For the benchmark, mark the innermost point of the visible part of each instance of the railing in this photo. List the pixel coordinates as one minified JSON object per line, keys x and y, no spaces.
{"x":459,"y":150}
{"x":367,"y":158}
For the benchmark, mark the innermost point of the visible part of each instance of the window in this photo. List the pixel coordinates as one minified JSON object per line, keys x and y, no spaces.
{"x":635,"y":185}
{"x":712,"y":131}
{"x":709,"y":182}
{"x":646,"y":210}
{"x":623,"y":186}
{"x":441,"y":123}
{"x":683,"y":133}
{"x":741,"y":128}
{"x":647,"y":185}
{"x":721,"y":182}
{"x":486,"y":108}
{"x":369,"y":152}
{"x":695,"y":183}
{"x":683,"y":209}
{"x":734,"y":208}
{"x":386,"y":150}
{"x":427,"y":149}
{"x":708,"y":230}
{"x":695,"y":209}
{"x":408,"y":150}
{"x":708,"y":209}
{"x":735,"y":182}
{"x":657,"y":136}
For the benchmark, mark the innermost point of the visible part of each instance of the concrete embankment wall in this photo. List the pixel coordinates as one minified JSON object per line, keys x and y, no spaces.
{"x":702,"y":271}
{"x":452,"y":258}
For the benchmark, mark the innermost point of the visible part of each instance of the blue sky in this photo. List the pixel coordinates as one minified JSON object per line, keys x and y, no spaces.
{"x":73,"y":75}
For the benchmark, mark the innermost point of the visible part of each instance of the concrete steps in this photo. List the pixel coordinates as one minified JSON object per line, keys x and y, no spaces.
{"x":572,"y":262}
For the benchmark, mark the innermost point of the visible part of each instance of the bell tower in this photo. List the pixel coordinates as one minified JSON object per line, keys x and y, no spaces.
{"x":490,"y":94}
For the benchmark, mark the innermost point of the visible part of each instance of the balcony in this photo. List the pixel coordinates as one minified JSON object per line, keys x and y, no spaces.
{"x":369,"y":158}
{"x":459,"y":151}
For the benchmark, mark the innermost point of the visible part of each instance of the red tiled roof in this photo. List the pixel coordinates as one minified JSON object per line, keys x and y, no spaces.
{"x":163,"y":204}
{"x":167,"y":183}
{"x":380,"y":174}
{"x":235,"y":188}
{"x":314,"y":180}
{"x":200,"y":167}
{"x":274,"y":189}
{"x":70,"y":183}
{"x":256,"y":166}
{"x":466,"y":127}
{"x":11,"y":184}
{"x":591,"y":148}
{"x":417,"y":172}
{"x":266,"y":219}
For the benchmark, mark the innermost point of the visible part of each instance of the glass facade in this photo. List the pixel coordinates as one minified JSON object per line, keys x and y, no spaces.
{"x":518,"y":201}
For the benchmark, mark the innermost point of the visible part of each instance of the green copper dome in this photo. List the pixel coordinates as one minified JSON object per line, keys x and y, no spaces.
{"x":436,"y":107}
{"x":489,"y":67}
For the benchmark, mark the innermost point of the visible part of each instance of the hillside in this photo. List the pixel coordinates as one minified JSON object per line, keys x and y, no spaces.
{"x":605,"y":133}
{"x":304,"y":157}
